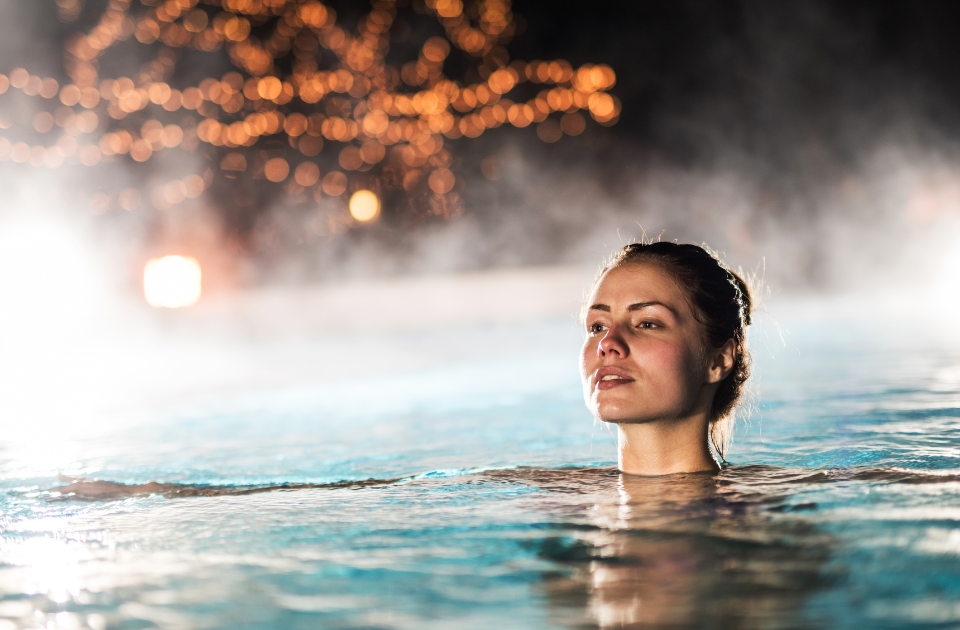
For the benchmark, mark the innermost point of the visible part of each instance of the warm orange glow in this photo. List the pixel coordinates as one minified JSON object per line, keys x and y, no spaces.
{"x":572,"y":124}
{"x":441,"y":181}
{"x":276,"y":170}
{"x":307,"y":174}
{"x":339,"y":87}
{"x":549,"y":130}
{"x":172,"y":282}
{"x":364,"y":205}
{"x":334,"y":183}
{"x":43,"y":122}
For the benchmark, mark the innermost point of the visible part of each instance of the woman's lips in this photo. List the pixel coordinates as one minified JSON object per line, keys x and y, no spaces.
{"x":608,"y":378}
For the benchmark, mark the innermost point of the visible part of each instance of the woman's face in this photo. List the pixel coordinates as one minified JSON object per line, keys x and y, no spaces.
{"x":643,"y":358}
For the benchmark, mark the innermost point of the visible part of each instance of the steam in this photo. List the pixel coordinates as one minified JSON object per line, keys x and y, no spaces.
{"x":793,"y":150}
{"x":852,"y":188}
{"x":804,"y":144}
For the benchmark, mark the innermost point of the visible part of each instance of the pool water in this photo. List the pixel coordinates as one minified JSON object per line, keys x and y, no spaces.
{"x":840,"y":508}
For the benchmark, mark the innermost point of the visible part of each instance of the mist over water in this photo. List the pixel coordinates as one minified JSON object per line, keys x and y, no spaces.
{"x":813,"y":145}
{"x":786,"y":141}
{"x":816,"y":142}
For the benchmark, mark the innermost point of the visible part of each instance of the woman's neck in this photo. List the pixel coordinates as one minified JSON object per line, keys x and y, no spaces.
{"x":665,"y":447}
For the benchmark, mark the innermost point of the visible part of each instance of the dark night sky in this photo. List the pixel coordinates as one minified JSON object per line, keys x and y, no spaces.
{"x":767,"y":76}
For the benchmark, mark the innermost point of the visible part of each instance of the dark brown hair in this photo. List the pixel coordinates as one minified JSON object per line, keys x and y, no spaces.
{"x":721,"y":302}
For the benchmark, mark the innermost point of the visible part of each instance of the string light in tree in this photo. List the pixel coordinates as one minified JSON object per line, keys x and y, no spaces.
{"x":344,"y":114}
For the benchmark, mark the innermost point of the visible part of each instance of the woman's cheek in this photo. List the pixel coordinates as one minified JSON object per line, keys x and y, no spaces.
{"x":661,"y":356}
{"x":667,"y":365}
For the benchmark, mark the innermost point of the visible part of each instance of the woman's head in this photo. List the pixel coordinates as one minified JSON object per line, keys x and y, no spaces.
{"x":666,"y":337}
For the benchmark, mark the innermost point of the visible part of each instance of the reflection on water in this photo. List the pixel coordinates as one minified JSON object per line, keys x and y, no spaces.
{"x":843,"y":509}
{"x":687,"y":551}
{"x":752,"y":547}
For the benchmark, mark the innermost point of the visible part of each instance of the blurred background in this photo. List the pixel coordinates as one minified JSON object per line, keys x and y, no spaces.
{"x":187,"y":183}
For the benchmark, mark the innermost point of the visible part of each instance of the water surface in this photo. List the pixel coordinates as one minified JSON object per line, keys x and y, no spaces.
{"x":840,"y":508}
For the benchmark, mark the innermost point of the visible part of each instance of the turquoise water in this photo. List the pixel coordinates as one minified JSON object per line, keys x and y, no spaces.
{"x":841,"y":506}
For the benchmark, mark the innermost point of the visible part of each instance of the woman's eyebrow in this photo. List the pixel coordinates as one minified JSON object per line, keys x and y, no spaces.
{"x":599,"y":307}
{"x":642,"y":305}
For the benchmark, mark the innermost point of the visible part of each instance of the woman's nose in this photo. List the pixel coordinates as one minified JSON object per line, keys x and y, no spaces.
{"x":612,"y":344}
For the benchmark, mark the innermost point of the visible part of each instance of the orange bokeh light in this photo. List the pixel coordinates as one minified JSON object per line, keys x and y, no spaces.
{"x":340,"y":88}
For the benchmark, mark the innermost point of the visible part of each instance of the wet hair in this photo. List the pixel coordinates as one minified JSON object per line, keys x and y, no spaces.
{"x":721,"y":302}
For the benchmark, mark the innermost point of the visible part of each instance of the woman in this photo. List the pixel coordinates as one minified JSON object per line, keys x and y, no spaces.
{"x":664,"y":359}
{"x":665,"y":355}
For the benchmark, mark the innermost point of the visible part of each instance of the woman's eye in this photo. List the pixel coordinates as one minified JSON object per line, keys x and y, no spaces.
{"x":595,"y":328}
{"x":647,"y":325}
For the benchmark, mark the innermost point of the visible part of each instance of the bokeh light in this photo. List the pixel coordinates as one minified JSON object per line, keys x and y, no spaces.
{"x":334,"y":183}
{"x":364,"y":206}
{"x":302,"y":86}
{"x":172,"y":282}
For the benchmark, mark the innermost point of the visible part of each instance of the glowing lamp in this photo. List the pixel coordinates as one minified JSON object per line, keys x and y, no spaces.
{"x":364,"y":205}
{"x":171,"y":282}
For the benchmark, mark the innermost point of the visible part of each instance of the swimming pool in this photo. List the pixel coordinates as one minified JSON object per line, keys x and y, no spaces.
{"x":841,"y":507}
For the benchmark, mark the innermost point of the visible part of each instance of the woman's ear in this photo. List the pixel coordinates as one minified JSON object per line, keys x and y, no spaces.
{"x":721,"y":362}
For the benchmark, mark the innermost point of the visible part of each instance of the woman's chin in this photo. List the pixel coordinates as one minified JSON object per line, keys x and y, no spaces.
{"x":614,"y":414}
{"x":609,"y":409}
{"x":610,"y":406}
